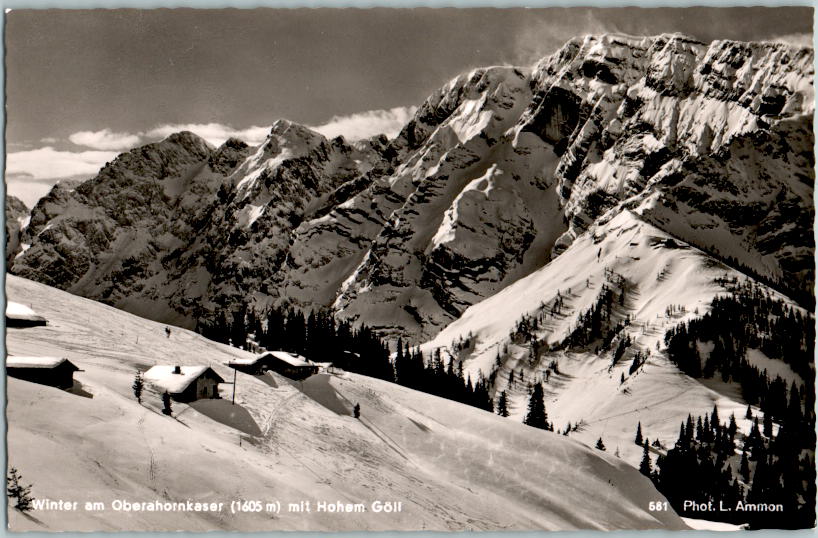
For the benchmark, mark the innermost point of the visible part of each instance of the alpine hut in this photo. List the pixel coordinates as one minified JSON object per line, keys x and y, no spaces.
{"x":287,"y":364}
{"x":18,"y":315}
{"x":185,"y":383}
{"x":53,"y":371}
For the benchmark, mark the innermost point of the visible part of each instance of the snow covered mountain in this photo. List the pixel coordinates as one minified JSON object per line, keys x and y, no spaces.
{"x":555,"y":224}
{"x":451,"y":466}
{"x":496,"y":175}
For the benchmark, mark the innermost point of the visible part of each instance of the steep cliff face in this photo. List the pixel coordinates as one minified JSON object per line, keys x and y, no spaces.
{"x":473,"y":203}
{"x":724,"y":130}
{"x":711,"y":142}
{"x":17,"y":216}
{"x":497,"y":174}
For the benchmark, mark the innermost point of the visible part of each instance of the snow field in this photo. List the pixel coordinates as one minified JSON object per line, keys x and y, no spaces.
{"x":452,"y":466}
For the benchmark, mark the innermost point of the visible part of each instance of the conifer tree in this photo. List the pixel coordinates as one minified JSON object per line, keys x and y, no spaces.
{"x":645,"y":466}
{"x":744,"y":467}
{"x":639,"y":439}
{"x":536,"y":415}
{"x":138,"y":385}
{"x":502,"y":405}
{"x":600,"y":445}
{"x":733,"y":427}
{"x":20,"y":493}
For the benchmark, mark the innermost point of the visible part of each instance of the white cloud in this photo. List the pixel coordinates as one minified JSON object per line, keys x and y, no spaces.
{"x":46,"y":163}
{"x":367,"y":124}
{"x":31,"y":174}
{"x":28,"y":191}
{"x":104,"y":139}
{"x":214,"y":133}
{"x":353,"y":127}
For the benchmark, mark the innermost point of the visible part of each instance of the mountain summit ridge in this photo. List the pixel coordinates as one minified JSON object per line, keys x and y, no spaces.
{"x":495,"y":176}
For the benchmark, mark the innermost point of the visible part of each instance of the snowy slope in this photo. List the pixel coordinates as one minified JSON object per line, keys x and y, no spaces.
{"x":453,"y":467}
{"x":661,"y":274}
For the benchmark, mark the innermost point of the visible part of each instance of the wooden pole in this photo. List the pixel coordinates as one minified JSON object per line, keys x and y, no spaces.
{"x":234,"y":388}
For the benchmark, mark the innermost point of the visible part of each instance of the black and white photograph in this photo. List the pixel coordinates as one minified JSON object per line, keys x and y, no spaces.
{"x":410,"y":269}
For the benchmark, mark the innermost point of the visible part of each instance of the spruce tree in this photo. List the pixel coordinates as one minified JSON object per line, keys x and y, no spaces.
{"x":536,"y":415}
{"x":21,"y":494}
{"x":644,"y":466}
{"x":502,"y":405}
{"x":138,"y":385}
{"x":600,"y":445}
{"x":639,"y":439}
{"x":356,"y":411}
{"x":744,"y":467}
{"x":715,"y":421}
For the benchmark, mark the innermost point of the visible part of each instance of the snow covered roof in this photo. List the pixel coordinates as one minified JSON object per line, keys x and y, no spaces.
{"x":14,"y":361}
{"x":289,"y":358}
{"x":162,"y":376}
{"x":244,"y":362}
{"x":19,"y":311}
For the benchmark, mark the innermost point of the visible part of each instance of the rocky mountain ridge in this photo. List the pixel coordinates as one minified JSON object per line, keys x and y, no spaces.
{"x":497,"y":175}
{"x":17,"y":215}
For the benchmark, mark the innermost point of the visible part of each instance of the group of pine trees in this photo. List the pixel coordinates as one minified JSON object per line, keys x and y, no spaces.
{"x":599,"y":324}
{"x":441,"y":379}
{"x":318,"y":336}
{"x":704,"y":466}
{"x":774,"y":466}
{"x":749,"y":318}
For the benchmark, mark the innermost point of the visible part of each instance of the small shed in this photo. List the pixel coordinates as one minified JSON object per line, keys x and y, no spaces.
{"x":53,"y":371}
{"x":287,"y":364}
{"x":18,"y":315}
{"x":185,"y":383}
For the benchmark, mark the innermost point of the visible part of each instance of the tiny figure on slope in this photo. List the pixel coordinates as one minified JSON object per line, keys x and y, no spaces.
{"x":167,"y":332}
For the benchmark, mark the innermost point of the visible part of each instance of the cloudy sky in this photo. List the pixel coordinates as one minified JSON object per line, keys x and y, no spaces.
{"x":85,"y":85}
